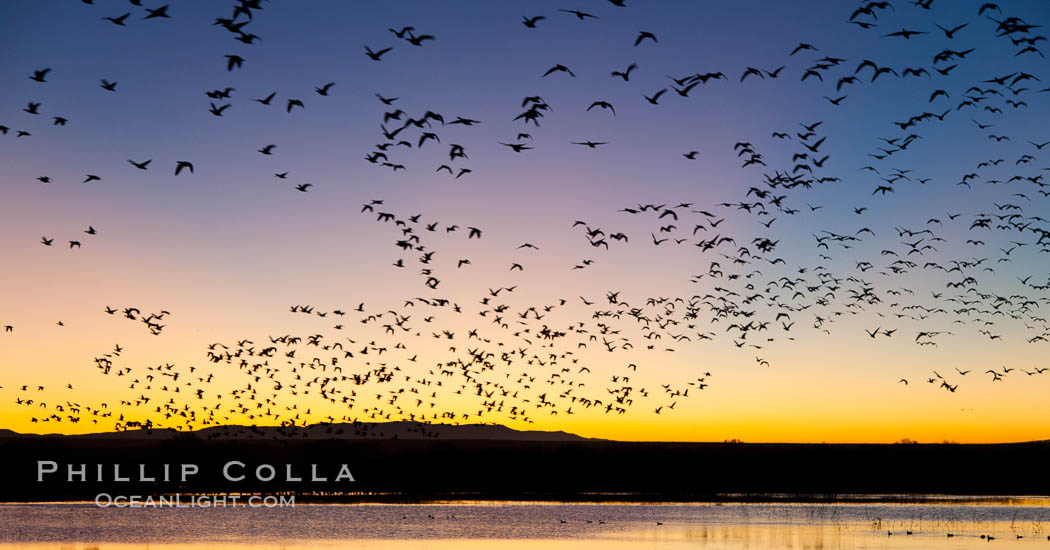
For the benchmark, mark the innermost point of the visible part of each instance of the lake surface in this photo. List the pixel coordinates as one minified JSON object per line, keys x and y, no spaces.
{"x":1019,"y":524}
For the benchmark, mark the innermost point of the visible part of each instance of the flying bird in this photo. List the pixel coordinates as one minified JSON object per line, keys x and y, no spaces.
{"x":418,"y":40}
{"x":626,"y":74}
{"x":603,"y":105}
{"x":559,"y":68}
{"x":119,"y":20}
{"x":376,"y":55}
{"x":905,"y":34}
{"x":530,"y":22}
{"x":950,"y":33}
{"x":157,"y":12}
{"x":181,"y":165}
{"x":655,"y":98}
{"x":39,"y":76}
{"x":580,"y":15}
{"x":643,"y":35}
{"x":218,"y":110}
{"x":234,"y":61}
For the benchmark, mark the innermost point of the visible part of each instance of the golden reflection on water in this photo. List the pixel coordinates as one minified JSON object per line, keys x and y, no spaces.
{"x":511,"y":526}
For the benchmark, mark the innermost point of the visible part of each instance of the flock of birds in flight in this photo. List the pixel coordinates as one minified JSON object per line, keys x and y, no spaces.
{"x":508,"y":360}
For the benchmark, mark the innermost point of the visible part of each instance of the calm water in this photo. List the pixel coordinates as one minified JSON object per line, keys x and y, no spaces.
{"x":509,"y":526}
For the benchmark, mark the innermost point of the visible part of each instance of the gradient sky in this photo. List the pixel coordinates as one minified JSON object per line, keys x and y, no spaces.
{"x":228,"y":249}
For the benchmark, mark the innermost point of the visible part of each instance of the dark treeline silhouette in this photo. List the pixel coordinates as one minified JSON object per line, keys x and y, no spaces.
{"x":435,"y":468}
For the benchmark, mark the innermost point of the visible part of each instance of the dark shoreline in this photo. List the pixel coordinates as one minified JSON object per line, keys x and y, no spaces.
{"x":416,"y":471}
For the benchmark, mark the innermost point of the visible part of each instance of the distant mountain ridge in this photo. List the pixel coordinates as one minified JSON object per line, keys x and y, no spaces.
{"x":346,"y":430}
